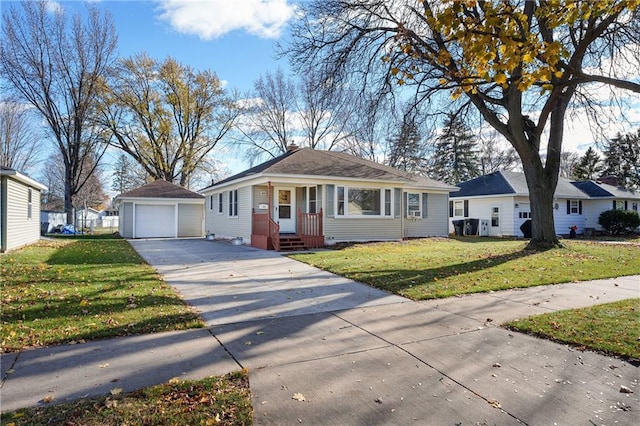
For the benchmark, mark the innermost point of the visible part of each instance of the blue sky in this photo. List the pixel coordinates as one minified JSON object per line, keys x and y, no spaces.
{"x":236,"y":39}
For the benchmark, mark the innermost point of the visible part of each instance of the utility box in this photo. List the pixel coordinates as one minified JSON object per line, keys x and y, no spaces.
{"x":484,"y":228}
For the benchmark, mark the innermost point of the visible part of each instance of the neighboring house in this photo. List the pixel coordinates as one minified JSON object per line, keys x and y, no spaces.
{"x":52,"y":219}
{"x":108,"y":218}
{"x":160,"y":209}
{"x":502,"y":199}
{"x":87,"y":218}
{"x":311,"y":198}
{"x":604,"y":197}
{"x":19,"y":209}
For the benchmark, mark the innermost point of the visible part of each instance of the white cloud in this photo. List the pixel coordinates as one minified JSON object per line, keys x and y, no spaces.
{"x":54,"y":7}
{"x":209,"y":19}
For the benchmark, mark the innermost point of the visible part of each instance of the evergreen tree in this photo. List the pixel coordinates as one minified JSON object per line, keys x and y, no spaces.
{"x":589,"y":167}
{"x":622,"y":159}
{"x":406,"y":149}
{"x":455,"y":157}
{"x":127,"y":175}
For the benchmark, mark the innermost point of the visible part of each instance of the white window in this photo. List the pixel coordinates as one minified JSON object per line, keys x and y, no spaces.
{"x":458,"y":208}
{"x":29,"y":203}
{"x":619,"y":205}
{"x":220,"y":204}
{"x":524,"y":215}
{"x":495,"y":216}
{"x":233,"y":203}
{"x":634,"y":206}
{"x":313,"y":200}
{"x":363,"y":201}
{"x":413,"y":205}
{"x":574,"y":207}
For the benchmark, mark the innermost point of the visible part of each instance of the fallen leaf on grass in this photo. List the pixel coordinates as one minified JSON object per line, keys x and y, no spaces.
{"x":624,"y":389}
{"x":494,"y":403}
{"x":298,"y":397}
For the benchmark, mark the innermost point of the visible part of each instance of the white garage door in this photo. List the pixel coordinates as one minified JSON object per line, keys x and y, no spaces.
{"x":155,"y":221}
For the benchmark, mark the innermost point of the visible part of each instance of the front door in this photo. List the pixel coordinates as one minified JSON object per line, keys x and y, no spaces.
{"x":285,"y":208}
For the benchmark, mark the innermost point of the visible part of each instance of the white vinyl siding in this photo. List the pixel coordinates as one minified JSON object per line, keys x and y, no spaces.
{"x":224,"y":226}
{"x":435,"y":222}
{"x":362,"y":229}
{"x":480,"y":208}
{"x":125,"y":225}
{"x":20,"y":228}
{"x":190,"y":220}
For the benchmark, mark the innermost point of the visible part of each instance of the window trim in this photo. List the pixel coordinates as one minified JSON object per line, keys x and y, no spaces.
{"x":233,"y":203}
{"x":342,"y":205}
{"x":496,"y":210}
{"x":29,"y":203}
{"x":456,"y":210}
{"x":574,"y":207}
{"x":314,"y":199}
{"x":419,"y":211}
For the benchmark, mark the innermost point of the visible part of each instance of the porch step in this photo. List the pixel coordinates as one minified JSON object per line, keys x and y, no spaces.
{"x":291,"y":242}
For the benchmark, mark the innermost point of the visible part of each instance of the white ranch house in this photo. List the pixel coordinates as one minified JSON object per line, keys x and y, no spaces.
{"x":500,"y":200}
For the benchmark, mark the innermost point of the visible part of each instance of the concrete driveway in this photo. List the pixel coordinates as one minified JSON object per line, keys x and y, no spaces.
{"x":322,"y":349}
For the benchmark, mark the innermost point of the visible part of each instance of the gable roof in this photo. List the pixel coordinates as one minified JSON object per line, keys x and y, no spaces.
{"x":160,"y":189}
{"x":318,"y":163}
{"x":515,"y":183}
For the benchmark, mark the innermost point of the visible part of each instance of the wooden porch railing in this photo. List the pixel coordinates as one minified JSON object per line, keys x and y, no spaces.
{"x":274,"y":233}
{"x":260,"y":224}
{"x":265,"y":232}
{"x":310,"y":229}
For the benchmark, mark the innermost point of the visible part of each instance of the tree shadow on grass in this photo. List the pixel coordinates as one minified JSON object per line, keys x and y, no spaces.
{"x":401,"y":280}
{"x":96,"y":251}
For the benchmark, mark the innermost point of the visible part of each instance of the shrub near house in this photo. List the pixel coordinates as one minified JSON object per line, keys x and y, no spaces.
{"x":618,"y":222}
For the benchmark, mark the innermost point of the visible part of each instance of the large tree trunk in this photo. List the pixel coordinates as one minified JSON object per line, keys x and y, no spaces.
{"x":68,"y":202}
{"x":542,"y":187}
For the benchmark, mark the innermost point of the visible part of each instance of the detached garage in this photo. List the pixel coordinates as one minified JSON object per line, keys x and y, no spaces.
{"x":160,"y":209}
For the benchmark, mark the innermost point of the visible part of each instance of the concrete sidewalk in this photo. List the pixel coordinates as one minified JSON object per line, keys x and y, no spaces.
{"x":356,"y":354}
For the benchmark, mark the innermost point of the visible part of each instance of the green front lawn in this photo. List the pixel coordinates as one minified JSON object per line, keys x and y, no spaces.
{"x":613,"y":328}
{"x":437,"y":267}
{"x":74,"y":289}
{"x":222,"y":400}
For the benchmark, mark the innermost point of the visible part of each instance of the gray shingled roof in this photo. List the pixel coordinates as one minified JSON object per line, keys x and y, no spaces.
{"x":602,"y":190}
{"x":317,"y":163}
{"x":504,"y":182}
{"x":160,"y":189}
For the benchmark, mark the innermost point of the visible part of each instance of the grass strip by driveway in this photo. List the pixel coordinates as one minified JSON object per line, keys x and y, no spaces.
{"x":612,"y":328}
{"x":75,"y":289}
{"x":436,"y":267}
{"x":224,"y":400}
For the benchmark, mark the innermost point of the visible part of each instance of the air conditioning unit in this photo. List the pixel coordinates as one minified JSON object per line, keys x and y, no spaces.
{"x":415,"y":214}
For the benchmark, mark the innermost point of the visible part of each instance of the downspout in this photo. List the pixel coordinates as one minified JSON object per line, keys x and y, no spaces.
{"x":402,"y":210}
{"x":269,"y":204}
{"x":3,"y":214}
